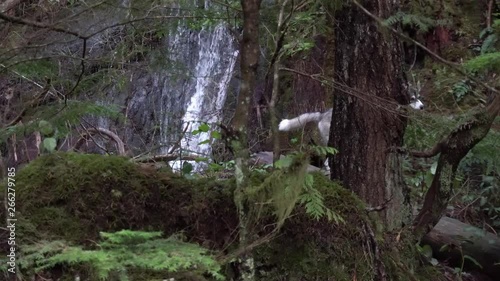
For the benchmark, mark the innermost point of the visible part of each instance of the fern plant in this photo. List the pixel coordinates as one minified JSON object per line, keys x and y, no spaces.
{"x":421,"y":22}
{"x":120,"y":252}
{"x":461,"y":89}
{"x":490,"y":37}
{"x":309,"y":196}
{"x":313,"y":201}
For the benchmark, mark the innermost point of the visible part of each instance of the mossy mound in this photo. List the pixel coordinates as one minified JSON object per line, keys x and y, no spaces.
{"x":309,"y":249}
{"x":319,"y":249}
{"x":75,"y":196}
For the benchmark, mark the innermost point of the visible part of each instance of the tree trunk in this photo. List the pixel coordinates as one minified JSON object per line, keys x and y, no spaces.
{"x":365,"y":127}
{"x":249,"y":58}
{"x":280,"y":34}
{"x":453,"y":149}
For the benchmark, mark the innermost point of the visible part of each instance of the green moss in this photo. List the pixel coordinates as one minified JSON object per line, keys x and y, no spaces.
{"x":319,"y":249}
{"x":57,"y":220}
{"x":74,"y":196}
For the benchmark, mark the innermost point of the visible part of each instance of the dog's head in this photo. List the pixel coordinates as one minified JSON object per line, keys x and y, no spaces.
{"x":415,"y":89}
{"x":415,"y":102}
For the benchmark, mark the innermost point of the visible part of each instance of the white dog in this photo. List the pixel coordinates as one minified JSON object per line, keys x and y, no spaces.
{"x":324,"y":118}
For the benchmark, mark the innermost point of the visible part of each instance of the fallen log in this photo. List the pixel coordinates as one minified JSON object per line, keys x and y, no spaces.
{"x":462,"y":240}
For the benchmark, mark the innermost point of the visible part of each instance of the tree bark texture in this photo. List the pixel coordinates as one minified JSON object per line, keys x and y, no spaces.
{"x":366,"y":125}
{"x":452,"y":150}
{"x":249,"y":58}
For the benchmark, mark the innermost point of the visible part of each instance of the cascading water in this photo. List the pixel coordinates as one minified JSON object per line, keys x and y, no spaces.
{"x":212,"y":72}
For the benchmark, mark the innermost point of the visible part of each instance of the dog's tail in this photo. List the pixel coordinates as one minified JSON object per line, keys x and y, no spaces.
{"x":299,"y":122}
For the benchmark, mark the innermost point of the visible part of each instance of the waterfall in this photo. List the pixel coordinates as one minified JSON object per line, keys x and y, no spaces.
{"x":212,"y":71}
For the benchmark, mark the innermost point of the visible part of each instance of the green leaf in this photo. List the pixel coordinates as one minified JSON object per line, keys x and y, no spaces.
{"x":284,"y":162}
{"x":309,"y":181}
{"x":121,"y":251}
{"x":204,"y":142}
{"x":215,"y":167}
{"x":485,"y":32}
{"x":200,"y":159}
{"x":489,"y":44}
{"x":204,"y":128}
{"x":426,"y":250}
{"x":45,"y":128}
{"x":215,"y":135}
{"x":50,"y":144}
{"x":187,"y":168}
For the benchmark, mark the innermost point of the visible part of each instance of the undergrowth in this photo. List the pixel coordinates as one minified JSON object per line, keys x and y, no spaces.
{"x":117,"y":253}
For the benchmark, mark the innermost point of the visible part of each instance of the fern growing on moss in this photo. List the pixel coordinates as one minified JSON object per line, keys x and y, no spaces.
{"x":123,"y":251}
{"x":290,"y":185}
{"x":313,"y":201}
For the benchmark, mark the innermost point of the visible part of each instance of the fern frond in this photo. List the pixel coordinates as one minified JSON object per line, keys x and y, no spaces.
{"x":488,"y":45}
{"x":313,"y":202}
{"x":423,"y":23}
{"x":121,"y":251}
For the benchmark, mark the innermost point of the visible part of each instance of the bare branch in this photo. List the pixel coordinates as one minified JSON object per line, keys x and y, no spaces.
{"x":384,"y":104}
{"x":39,"y":25}
{"x":101,"y":131}
{"x":82,"y":71}
{"x":428,"y":153}
{"x":167,"y":157}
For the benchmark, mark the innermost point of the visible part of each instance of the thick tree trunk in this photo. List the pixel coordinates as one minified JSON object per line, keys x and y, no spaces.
{"x":249,"y":58}
{"x":465,"y":240}
{"x":365,"y":127}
